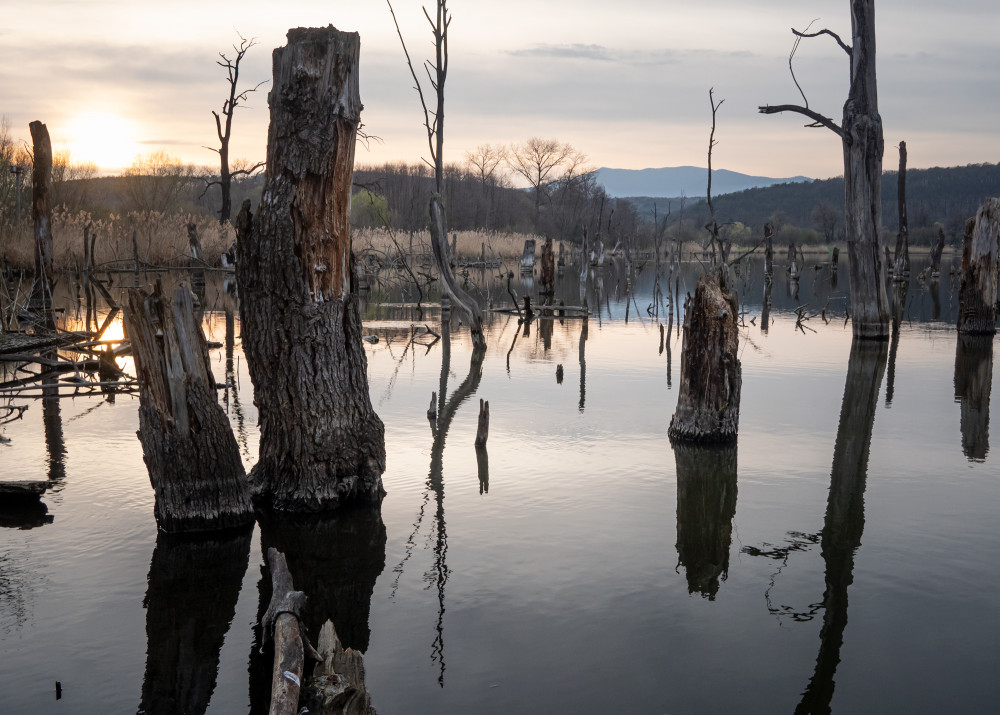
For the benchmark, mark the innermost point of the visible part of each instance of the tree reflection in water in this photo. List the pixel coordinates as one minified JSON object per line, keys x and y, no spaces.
{"x":440,"y":423}
{"x":194,"y":584}
{"x":334,"y":560}
{"x":706,"y":505}
{"x":844,"y":522}
{"x":973,"y":384}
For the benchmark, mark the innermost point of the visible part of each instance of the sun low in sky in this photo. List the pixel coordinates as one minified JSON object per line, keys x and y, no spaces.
{"x":109,"y":141}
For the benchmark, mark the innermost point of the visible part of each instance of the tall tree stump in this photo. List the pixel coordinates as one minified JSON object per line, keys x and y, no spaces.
{"x":193,"y":460}
{"x":548,"y":277}
{"x":321,"y":443}
{"x":977,"y":296}
{"x":708,"y":406}
{"x":41,"y":213}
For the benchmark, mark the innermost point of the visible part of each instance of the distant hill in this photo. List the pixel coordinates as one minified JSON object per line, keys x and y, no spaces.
{"x":946,"y":195}
{"x":674,"y":181}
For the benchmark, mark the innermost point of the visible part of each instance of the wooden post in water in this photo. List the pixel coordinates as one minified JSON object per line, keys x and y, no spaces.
{"x":321,"y":442}
{"x":936,"y":252}
{"x":188,"y":446}
{"x":977,"y":296}
{"x":708,"y":406}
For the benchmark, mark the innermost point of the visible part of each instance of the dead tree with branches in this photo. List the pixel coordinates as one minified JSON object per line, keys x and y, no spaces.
{"x":712,"y":226}
{"x":437,"y":74}
{"x":861,"y":135}
{"x":224,"y":127}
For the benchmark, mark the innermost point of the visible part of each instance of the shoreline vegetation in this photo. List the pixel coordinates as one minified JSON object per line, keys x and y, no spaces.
{"x":161,"y":240}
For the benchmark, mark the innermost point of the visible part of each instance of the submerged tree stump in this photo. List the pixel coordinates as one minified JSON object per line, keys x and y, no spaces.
{"x":41,"y":214}
{"x":337,"y":685}
{"x":708,"y":406}
{"x":193,"y":460}
{"x":977,"y":296}
{"x":321,"y":442}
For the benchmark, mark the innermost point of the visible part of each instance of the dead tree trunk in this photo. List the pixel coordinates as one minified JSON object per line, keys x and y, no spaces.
{"x":548,"y":277}
{"x":708,"y":406}
{"x":863,"y":149}
{"x":901,"y":267}
{"x":337,"y":685}
{"x":439,"y":245}
{"x":193,"y":460}
{"x":41,"y":213}
{"x":936,"y":254}
{"x":861,"y":135}
{"x":977,"y":297}
{"x":768,"y":251}
{"x":281,"y":622}
{"x":321,"y":443}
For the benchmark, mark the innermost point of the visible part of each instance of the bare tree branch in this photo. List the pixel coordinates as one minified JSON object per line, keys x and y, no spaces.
{"x":845,"y":47}
{"x":818,"y":119}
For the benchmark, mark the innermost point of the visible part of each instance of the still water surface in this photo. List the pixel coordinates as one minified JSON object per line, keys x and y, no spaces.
{"x":842,"y":557}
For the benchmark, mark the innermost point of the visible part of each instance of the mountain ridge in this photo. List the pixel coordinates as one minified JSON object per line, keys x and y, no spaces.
{"x":674,"y":181}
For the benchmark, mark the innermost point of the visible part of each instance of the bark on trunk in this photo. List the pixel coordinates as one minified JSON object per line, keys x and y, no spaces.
{"x":863,"y":149}
{"x":321,"y":442}
{"x":192,"y":456}
{"x":977,"y":297}
{"x":41,"y":212}
{"x":708,"y":406}
{"x":901,"y":268}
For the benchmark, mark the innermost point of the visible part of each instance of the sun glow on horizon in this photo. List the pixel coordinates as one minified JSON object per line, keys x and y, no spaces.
{"x":107,"y":140}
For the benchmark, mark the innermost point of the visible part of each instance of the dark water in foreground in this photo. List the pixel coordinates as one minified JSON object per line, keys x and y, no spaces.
{"x":841,"y":558}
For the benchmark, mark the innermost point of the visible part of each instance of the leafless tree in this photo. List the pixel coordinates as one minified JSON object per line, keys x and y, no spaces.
{"x":712,"y":226}
{"x":437,"y":74}
{"x":224,"y":128}
{"x":861,"y":135}
{"x":538,"y":161}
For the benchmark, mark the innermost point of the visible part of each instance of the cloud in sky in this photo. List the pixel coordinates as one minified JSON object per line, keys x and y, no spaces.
{"x":625,"y":82}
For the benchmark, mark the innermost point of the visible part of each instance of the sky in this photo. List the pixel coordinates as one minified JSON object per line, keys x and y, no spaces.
{"x":625,"y":82}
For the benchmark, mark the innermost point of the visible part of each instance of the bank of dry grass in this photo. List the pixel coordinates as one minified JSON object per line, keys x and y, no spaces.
{"x":161,"y":239}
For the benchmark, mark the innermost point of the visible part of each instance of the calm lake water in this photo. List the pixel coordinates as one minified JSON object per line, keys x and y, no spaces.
{"x":842,"y":557}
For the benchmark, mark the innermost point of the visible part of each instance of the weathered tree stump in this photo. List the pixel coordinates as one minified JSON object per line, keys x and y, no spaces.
{"x":193,"y":460}
{"x":977,"y":297}
{"x":337,"y":685}
{"x":901,"y":266}
{"x":708,"y":406}
{"x":483,"y":429}
{"x":936,"y":252}
{"x":528,"y":256}
{"x":321,"y":443}
{"x":768,"y":251}
{"x":41,"y":215}
{"x":548,"y":279}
